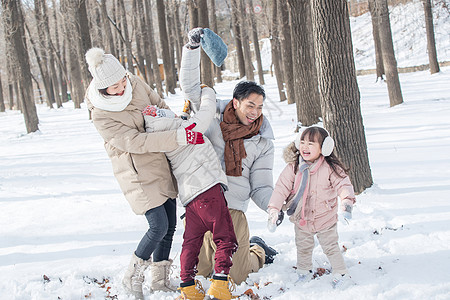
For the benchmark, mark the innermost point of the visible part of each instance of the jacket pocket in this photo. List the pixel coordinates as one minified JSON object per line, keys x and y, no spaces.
{"x":132,"y":163}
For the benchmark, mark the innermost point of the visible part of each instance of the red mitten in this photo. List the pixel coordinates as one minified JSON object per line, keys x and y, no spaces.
{"x":193,"y":137}
{"x":150,"y":110}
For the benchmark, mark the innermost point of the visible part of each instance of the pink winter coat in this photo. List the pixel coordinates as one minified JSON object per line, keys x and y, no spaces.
{"x":321,"y":205}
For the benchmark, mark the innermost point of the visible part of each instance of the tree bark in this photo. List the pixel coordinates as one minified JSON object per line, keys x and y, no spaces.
{"x":206,"y":68}
{"x":376,"y":39}
{"x":193,"y":13}
{"x":286,"y":48}
{"x":51,"y":58}
{"x":169,"y":77}
{"x":304,"y":79}
{"x":142,"y":30}
{"x":41,"y":66}
{"x":275,"y":47}
{"x":138,"y":39}
{"x":177,"y":31}
{"x":11,"y":96}
{"x":387,"y":49}
{"x":256,"y":43}
{"x":15,"y":38}
{"x":152,"y":47}
{"x":72,"y":33}
{"x":108,"y":37}
{"x":85,"y":44}
{"x":431,"y":43}
{"x":237,"y":37}
{"x":213,"y":23}
{"x":57,"y":51}
{"x":339,"y":97}
{"x":248,"y":61}
{"x":2,"y":100}
{"x":129,"y":57}
{"x":172,"y":40}
{"x":41,"y":53}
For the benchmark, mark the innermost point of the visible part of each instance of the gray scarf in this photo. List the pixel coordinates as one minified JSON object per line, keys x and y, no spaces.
{"x":304,"y":170}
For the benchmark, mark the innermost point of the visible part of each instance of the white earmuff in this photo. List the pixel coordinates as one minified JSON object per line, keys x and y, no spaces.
{"x":327,"y":145}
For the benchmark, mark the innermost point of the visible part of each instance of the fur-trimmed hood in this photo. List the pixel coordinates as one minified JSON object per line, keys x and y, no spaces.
{"x":290,"y":153}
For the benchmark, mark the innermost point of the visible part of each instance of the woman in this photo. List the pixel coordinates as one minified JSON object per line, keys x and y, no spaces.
{"x":116,"y":99}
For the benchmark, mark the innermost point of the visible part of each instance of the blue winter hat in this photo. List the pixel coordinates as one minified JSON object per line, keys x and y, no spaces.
{"x":214,"y":46}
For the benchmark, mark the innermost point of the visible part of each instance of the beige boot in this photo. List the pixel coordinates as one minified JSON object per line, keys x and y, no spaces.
{"x":134,"y":276}
{"x":161,"y":276}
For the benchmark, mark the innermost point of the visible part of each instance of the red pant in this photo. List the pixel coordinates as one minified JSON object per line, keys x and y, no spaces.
{"x":207,"y":212}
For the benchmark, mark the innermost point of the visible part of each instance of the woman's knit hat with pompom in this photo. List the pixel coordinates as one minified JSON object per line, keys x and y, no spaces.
{"x":105,"y":68}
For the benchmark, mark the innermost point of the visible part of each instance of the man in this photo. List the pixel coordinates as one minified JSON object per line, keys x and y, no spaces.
{"x":242,"y":139}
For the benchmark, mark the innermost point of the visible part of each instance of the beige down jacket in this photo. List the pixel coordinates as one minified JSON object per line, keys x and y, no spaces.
{"x":196,"y":167}
{"x":137,"y":157}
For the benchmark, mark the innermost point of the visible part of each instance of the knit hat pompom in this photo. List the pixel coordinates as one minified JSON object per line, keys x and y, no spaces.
{"x":105,"y":68}
{"x":94,"y":57}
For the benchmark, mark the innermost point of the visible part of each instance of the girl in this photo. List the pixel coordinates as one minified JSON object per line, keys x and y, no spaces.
{"x":310,"y":185}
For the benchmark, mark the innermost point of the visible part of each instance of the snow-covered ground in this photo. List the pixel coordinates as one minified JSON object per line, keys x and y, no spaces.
{"x":66,"y":231}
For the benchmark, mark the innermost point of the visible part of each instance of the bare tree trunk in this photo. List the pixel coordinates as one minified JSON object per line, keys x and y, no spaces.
{"x":193,"y":13}
{"x":340,"y":100}
{"x":95,"y":23}
{"x":143,"y":29}
{"x":256,"y":43}
{"x":18,"y":96}
{"x":118,"y":24}
{"x":431,"y":43}
{"x":72,"y":33}
{"x":61,"y":65}
{"x":169,"y":77}
{"x":172,"y":40}
{"x":38,"y":87}
{"x":2,"y":101}
{"x":85,"y":41}
{"x":206,"y":68}
{"x":387,"y":48}
{"x":213,"y":25}
{"x":304,"y":78}
{"x":138,"y":39}
{"x":108,"y":37}
{"x":177,"y":31}
{"x":11,"y":95}
{"x":129,"y":57}
{"x":42,"y":53}
{"x":376,"y":39}
{"x":41,"y":66}
{"x":15,"y":38}
{"x":51,"y":58}
{"x":286,"y":48}
{"x":237,"y":36}
{"x":248,"y":61}
{"x":152,"y":47}
{"x":275,"y":46}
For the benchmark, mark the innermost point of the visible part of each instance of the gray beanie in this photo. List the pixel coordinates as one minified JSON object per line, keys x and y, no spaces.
{"x":105,"y":68}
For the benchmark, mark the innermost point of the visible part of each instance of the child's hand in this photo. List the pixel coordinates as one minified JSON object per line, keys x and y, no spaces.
{"x":195,"y":37}
{"x":275,"y":218}
{"x":150,"y":110}
{"x":346,"y":213}
{"x":193,"y":137}
{"x":167,"y":113}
